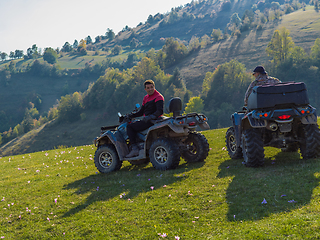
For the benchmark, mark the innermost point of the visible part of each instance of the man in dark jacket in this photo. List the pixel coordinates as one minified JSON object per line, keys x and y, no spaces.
{"x":152,"y":109}
{"x":262,"y":78}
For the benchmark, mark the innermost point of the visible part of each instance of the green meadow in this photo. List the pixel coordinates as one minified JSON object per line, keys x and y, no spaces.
{"x":59,"y":194}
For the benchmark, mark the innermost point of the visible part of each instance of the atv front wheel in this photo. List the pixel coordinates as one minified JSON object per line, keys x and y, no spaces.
{"x":106,"y":159}
{"x":310,"y":145}
{"x":164,"y":154}
{"x":234,"y":151}
{"x":197,"y":148}
{"x":252,"y":148}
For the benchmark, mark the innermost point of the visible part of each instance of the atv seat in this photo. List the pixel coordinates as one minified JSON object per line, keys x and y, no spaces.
{"x":174,"y":106}
{"x":160,"y":119}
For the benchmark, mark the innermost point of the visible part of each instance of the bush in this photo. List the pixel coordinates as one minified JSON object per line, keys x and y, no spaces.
{"x":116,"y":50}
{"x":50,"y":55}
{"x":69,"y":108}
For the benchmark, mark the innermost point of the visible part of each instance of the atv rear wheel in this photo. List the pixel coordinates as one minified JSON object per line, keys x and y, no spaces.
{"x":234,"y":151}
{"x":164,"y":154}
{"x":197,"y":148}
{"x":310,"y":145}
{"x":106,"y":159}
{"x":252,"y":148}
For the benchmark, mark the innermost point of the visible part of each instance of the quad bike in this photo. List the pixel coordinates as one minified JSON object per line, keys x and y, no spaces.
{"x":162,"y":144}
{"x":278,"y":116}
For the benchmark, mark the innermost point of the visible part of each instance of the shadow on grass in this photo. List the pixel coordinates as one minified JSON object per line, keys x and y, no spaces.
{"x":130,"y":179}
{"x":285,"y":183}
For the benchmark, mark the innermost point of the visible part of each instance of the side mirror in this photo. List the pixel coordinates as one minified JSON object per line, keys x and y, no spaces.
{"x":119,"y":114}
{"x":137,"y":105}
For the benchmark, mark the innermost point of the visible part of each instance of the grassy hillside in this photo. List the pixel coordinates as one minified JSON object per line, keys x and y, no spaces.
{"x":249,"y":48}
{"x":59,"y":194}
{"x":56,"y":135}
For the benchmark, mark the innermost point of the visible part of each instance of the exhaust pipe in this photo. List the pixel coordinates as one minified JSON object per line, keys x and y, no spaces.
{"x":272,"y":126}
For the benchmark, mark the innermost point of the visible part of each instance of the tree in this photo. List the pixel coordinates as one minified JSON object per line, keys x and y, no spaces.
{"x":150,"y":19}
{"x":205,"y":41}
{"x":75,"y":44}
{"x":195,"y":104}
{"x":12,"y":67}
{"x":18,"y":53}
{"x":11,"y":55}
{"x":227,"y":83}
{"x":132,"y":57}
{"x":174,"y":52}
{"x":50,"y":55}
{"x":194,"y":44}
{"x":3,"y":56}
{"x":216,"y":34}
{"x":27,"y":123}
{"x":280,"y":46}
{"x":82,"y":47}
{"x":110,"y":34}
{"x":32,"y":52}
{"x":29,"y":53}
{"x":134,"y":43}
{"x":223,"y":92}
{"x":88,"y":40}
{"x":315,"y":52}
{"x":35,"y":48}
{"x":97,"y":39}
{"x":66,"y":47}
{"x":298,"y":55}
{"x":69,"y":107}
{"x":116,"y":50}
{"x":176,"y":79}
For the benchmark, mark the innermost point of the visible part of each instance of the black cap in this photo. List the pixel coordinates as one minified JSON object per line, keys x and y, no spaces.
{"x":259,"y":69}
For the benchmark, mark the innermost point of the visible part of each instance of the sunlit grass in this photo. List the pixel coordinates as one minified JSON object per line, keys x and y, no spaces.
{"x":58,"y":193}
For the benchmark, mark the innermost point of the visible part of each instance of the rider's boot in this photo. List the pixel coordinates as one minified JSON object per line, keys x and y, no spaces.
{"x":134,"y":151}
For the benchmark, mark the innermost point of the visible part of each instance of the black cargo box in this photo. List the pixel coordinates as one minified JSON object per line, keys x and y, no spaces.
{"x":269,"y":96}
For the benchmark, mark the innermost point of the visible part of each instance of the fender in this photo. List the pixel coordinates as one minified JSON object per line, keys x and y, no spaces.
{"x":310,"y":119}
{"x":204,"y":126}
{"x":237,"y":123}
{"x":256,"y":123}
{"x":117,"y":140}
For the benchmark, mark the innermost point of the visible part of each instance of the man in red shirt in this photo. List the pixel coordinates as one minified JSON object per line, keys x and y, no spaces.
{"x":152,"y":109}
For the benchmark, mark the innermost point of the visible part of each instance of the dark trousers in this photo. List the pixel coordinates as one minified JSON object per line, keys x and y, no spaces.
{"x":135,"y":127}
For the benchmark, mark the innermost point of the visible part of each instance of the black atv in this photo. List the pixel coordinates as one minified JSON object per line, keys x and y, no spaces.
{"x":162,"y":144}
{"x":278,"y":116}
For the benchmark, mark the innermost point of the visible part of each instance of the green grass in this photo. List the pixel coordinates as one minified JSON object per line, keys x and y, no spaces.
{"x":217,"y":199}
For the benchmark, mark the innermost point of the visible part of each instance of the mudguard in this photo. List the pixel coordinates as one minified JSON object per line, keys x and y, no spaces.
{"x":310,"y":119}
{"x":256,"y":123}
{"x":177,"y":129}
{"x":204,"y":126}
{"x":118,"y":141}
{"x":237,"y":120}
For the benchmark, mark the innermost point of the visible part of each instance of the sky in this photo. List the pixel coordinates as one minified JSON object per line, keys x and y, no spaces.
{"x":51,"y":23}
